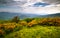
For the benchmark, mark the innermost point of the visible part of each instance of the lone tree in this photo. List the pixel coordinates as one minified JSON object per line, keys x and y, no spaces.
{"x":16,"y":19}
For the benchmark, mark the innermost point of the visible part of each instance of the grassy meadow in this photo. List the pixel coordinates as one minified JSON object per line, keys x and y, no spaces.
{"x":30,"y":28}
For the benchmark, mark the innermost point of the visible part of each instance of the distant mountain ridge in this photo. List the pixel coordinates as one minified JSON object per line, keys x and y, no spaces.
{"x":8,"y":15}
{"x":54,"y":15}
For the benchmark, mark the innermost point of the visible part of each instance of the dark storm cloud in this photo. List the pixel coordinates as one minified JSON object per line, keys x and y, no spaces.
{"x":11,"y":2}
{"x":22,"y":2}
{"x":52,"y":1}
{"x":6,"y":1}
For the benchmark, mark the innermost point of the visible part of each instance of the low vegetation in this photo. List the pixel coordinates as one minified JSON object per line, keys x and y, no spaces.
{"x":30,"y":28}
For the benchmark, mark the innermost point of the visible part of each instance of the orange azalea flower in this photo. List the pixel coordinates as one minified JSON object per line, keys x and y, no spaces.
{"x":2,"y":32}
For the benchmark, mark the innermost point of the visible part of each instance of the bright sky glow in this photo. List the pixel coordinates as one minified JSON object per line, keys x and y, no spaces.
{"x":27,"y":6}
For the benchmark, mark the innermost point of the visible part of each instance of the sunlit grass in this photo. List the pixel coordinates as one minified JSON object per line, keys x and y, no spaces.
{"x":37,"y":32}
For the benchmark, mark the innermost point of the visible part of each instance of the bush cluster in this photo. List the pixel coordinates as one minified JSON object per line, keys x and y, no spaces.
{"x":50,"y":21}
{"x":16,"y":24}
{"x":7,"y":28}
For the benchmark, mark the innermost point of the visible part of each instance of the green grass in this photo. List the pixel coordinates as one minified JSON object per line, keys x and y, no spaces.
{"x":36,"y":32}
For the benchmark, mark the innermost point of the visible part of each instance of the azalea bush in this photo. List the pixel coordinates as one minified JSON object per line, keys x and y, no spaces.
{"x":10,"y":27}
{"x":32,"y":23}
{"x":23,"y":23}
{"x":50,"y":21}
{"x":2,"y":33}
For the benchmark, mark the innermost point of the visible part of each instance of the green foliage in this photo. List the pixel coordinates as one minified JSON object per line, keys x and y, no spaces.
{"x":28,"y":19}
{"x":37,"y":32}
{"x":8,"y":28}
{"x":2,"y":33}
{"x":50,"y":21}
{"x":23,"y":23}
{"x":39,"y":28}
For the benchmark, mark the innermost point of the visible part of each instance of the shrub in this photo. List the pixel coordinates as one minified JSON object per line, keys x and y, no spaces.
{"x":9,"y":27}
{"x":32,"y":23}
{"x":28,"y":19}
{"x":2,"y":33}
{"x":50,"y":21}
{"x":15,"y":19}
{"x":23,"y":23}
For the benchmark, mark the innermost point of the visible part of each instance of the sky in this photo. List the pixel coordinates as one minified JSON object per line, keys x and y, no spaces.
{"x":40,"y":7}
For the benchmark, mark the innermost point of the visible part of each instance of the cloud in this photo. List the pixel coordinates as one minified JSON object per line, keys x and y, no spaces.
{"x":24,"y":3}
{"x":12,"y":2}
{"x":27,"y":6}
{"x":54,"y":7}
{"x":52,"y":1}
{"x":42,"y":10}
{"x":12,"y":10}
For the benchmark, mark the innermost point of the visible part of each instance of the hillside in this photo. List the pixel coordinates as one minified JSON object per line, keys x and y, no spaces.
{"x":30,"y":28}
{"x":50,"y":15}
{"x":8,"y":15}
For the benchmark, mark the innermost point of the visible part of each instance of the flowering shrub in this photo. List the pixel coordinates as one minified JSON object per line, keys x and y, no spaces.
{"x":23,"y":23}
{"x":1,"y":26}
{"x":50,"y":21}
{"x":2,"y":33}
{"x":32,"y":23}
